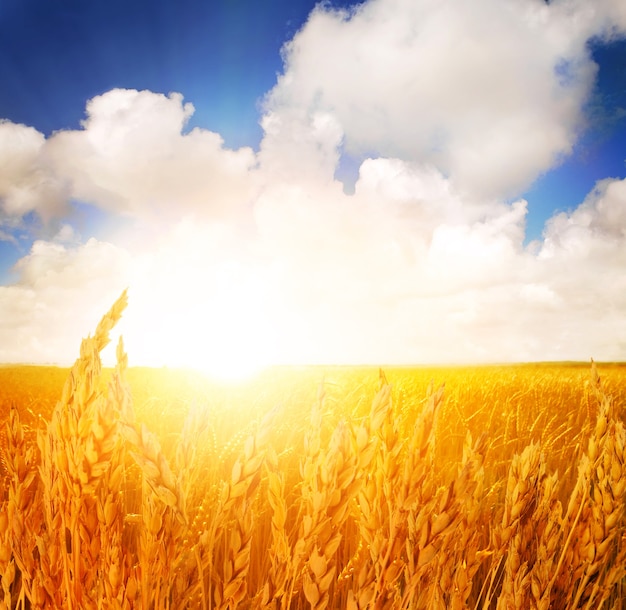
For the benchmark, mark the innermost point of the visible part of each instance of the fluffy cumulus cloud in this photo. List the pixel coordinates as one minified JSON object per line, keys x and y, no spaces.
{"x":27,"y":182}
{"x":236,"y":257}
{"x":490,"y":92}
{"x":133,"y":157}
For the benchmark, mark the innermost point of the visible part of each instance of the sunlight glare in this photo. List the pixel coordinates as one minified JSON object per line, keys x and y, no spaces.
{"x":221,"y":326}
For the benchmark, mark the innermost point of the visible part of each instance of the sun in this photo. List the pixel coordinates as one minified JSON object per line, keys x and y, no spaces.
{"x":228,"y":339}
{"x":233,"y":345}
{"x":222,"y":324}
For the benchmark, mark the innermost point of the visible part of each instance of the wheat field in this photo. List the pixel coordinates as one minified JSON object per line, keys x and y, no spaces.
{"x":476,"y":487}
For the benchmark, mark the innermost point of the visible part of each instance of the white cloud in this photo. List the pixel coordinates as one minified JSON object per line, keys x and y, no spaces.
{"x":300,"y":147}
{"x":582,"y":259}
{"x":27,"y":183}
{"x":605,"y":19}
{"x":380,"y":276}
{"x":133,"y":157}
{"x":595,"y":227}
{"x":490,"y":92}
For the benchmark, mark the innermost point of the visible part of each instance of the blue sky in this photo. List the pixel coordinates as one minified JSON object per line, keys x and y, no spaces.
{"x":221,"y":55}
{"x":209,"y":141}
{"x":599,"y":152}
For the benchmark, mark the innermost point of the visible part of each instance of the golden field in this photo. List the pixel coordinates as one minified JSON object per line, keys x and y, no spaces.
{"x":313,"y":487}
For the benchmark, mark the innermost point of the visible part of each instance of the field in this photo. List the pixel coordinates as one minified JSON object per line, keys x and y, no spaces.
{"x":320,"y":487}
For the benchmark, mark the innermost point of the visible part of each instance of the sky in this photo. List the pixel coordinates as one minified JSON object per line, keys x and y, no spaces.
{"x":285,"y":182}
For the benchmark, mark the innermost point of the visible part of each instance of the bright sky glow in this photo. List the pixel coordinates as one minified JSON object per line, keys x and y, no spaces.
{"x":398,"y":181}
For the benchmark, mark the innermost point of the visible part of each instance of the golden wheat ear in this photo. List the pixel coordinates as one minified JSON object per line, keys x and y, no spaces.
{"x":109,"y":320}
{"x":4,"y":452}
